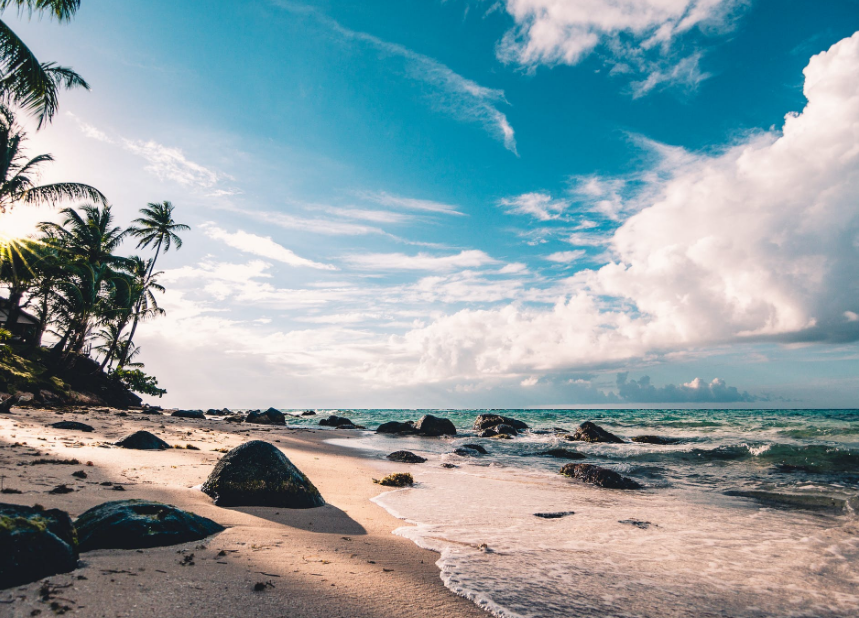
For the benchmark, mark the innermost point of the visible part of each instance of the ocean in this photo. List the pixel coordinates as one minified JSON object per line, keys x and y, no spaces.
{"x":749,"y":513}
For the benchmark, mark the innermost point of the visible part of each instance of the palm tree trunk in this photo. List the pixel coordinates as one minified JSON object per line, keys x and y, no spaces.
{"x":137,"y":309}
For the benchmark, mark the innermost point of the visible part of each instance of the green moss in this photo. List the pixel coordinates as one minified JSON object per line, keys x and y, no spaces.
{"x":35,"y":523}
{"x":398,"y":479}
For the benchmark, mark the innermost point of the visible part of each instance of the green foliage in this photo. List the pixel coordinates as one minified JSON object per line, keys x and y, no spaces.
{"x":398,"y":479}
{"x":139,"y":382}
{"x":5,"y":335}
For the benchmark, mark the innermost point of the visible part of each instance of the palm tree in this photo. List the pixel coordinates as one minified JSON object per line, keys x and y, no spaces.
{"x":24,"y":80}
{"x":91,"y":238}
{"x":18,"y":173}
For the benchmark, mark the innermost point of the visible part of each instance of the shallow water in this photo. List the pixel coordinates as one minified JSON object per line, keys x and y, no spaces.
{"x":752,"y":513}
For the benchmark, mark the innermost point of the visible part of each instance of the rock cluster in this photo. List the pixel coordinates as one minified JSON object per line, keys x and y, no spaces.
{"x":495,"y":425}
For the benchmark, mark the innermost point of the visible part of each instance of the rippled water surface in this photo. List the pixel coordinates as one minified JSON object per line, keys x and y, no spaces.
{"x":750,"y":513}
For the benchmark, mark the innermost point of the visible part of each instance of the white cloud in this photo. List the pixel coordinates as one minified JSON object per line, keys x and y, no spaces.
{"x":386,"y":199}
{"x":566,"y":257}
{"x":422,"y":261}
{"x":639,"y":35}
{"x":315,"y":225}
{"x":541,"y":206}
{"x":262,"y":246}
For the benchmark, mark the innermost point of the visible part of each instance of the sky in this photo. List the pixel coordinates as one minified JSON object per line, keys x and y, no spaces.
{"x":480,"y":203}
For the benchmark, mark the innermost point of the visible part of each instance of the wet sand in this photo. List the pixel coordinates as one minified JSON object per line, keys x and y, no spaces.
{"x":340,"y":560}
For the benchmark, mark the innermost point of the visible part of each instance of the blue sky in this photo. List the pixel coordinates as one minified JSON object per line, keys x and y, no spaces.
{"x":462,"y":203}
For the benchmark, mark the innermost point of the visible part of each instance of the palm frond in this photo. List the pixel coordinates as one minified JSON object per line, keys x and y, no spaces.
{"x":62,"y":191}
{"x":63,"y":10}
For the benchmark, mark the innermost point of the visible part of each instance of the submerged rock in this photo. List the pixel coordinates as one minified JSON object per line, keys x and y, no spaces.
{"x":471,"y":449}
{"x":269,"y":417}
{"x":341,"y":422}
{"x":138,"y":524}
{"x":258,"y":474}
{"x":655,"y":440}
{"x":499,"y":430}
{"x":406,"y":457}
{"x":591,"y":432}
{"x":811,"y":502}
{"x":563,"y":453}
{"x":34,"y":543}
{"x":73,"y":426}
{"x":602,"y":477}
{"x":308,"y":413}
{"x":396,"y":427}
{"x":198,"y":414}
{"x":429,"y":425}
{"x":485,"y":421}
{"x":143,"y":441}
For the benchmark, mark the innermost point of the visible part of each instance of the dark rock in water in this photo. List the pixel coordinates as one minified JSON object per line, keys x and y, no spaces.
{"x":308,"y":413}
{"x":214,"y":412}
{"x":34,"y":543}
{"x":198,"y":414}
{"x":72,"y":425}
{"x":396,"y":427}
{"x":485,"y":421}
{"x":429,"y":425}
{"x":471,"y":449}
{"x":644,"y":525}
{"x":138,"y":524}
{"x":498,"y":430}
{"x":595,"y":475}
{"x":590,"y":432}
{"x":563,"y":453}
{"x":340,"y":422}
{"x":143,"y":441}
{"x":810,"y":502}
{"x":655,"y":440}
{"x":406,"y":457}
{"x":269,"y":417}
{"x":791,"y":468}
{"x":6,"y":404}
{"x":556,"y":515}
{"x":258,"y":474}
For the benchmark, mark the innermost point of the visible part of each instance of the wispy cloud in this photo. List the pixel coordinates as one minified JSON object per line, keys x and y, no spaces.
{"x":422,"y":261}
{"x":566,"y":257}
{"x":262,"y":246}
{"x":386,"y":199}
{"x":541,"y":206}
{"x":448,"y":92}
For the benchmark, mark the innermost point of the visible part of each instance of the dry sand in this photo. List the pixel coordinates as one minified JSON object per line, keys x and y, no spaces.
{"x":340,"y":560}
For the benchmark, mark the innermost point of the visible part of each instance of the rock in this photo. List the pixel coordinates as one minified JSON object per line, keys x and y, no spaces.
{"x":485,"y":421}
{"x":396,"y":427}
{"x":471,"y":449}
{"x":449,"y":465}
{"x":235,"y":419}
{"x":198,"y":414}
{"x":563,"y":453}
{"x":341,"y":422}
{"x":497,"y":430}
{"x":308,"y":413}
{"x":589,"y":432}
{"x":398,"y":479}
{"x":143,"y":441}
{"x":6,"y":404}
{"x":149,"y":409}
{"x":73,"y":426}
{"x":138,"y":524}
{"x":406,"y":457}
{"x":555,"y":515}
{"x":269,"y":417}
{"x":34,"y":543}
{"x":258,"y":474}
{"x":214,"y":412}
{"x":655,"y":440}
{"x":429,"y":425}
{"x":602,"y":477}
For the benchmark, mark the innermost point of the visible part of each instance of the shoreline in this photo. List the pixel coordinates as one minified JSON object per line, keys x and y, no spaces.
{"x":338,"y":560}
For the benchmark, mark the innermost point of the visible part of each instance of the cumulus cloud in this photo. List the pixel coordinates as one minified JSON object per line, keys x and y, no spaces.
{"x":540,"y":206}
{"x":566,"y":257}
{"x":639,"y":36}
{"x":262,"y":246}
{"x":696,"y":391}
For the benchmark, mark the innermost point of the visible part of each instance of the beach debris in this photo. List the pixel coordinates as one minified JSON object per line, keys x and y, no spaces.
{"x":187,"y":560}
{"x":406,"y":457}
{"x":34,"y":543}
{"x":52,"y":462}
{"x":591,"y":432}
{"x":662,"y":440}
{"x":197,"y":414}
{"x":487,"y":421}
{"x":341,"y":422}
{"x":257,"y":473}
{"x":269,"y":417}
{"x":397,"y":479}
{"x":73,"y":426}
{"x":62,"y":489}
{"x":143,"y":441}
{"x":396,"y":427}
{"x":138,"y":524}
{"x":469,"y":450}
{"x":644,"y":525}
{"x":563,"y":453}
{"x":555,"y":515}
{"x":429,"y":425}
{"x":597,"y":475}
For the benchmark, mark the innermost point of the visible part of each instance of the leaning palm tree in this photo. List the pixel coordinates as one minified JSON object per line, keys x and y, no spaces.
{"x":24,"y":80}
{"x":18,"y":174}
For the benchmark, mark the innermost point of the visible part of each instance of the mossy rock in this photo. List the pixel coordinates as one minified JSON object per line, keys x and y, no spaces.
{"x":35,"y":543}
{"x":138,"y":524}
{"x":398,"y":479}
{"x":259,"y":474}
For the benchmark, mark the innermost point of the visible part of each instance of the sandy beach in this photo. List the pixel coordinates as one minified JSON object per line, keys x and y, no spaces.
{"x":340,"y":560}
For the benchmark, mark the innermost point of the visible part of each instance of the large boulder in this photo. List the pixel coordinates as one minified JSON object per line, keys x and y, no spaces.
{"x":269,"y":417}
{"x":596,"y":475}
{"x":143,"y":441}
{"x":429,"y":425}
{"x":485,"y":421}
{"x":591,"y":432}
{"x":138,"y":524}
{"x":197,"y":414}
{"x":34,"y":543}
{"x":406,"y":457}
{"x":73,"y":426}
{"x":396,"y":427}
{"x":341,"y":422}
{"x":258,"y":474}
